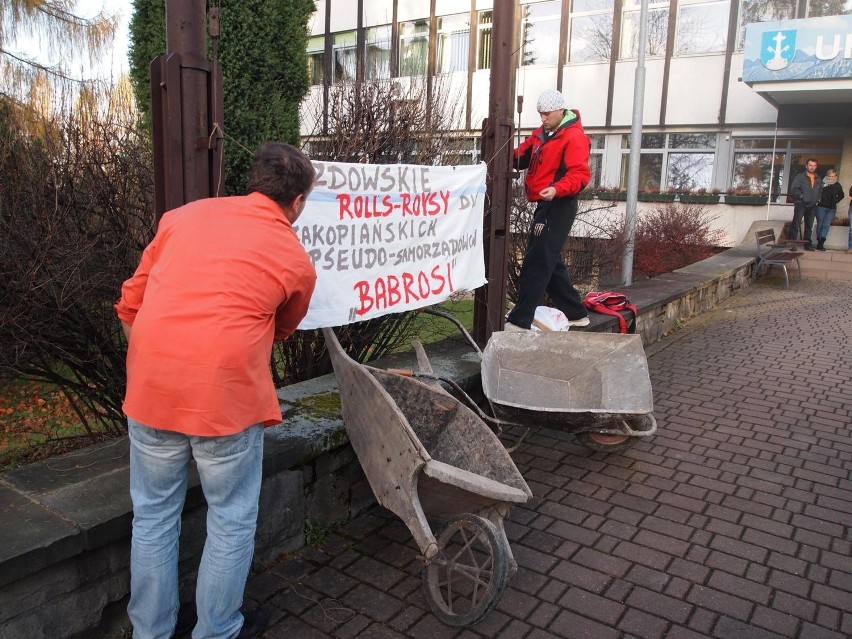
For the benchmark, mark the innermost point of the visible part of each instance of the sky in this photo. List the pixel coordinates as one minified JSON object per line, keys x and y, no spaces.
{"x":113,"y":63}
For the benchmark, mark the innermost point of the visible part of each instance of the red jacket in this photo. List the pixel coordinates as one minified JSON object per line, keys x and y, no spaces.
{"x":560,"y":160}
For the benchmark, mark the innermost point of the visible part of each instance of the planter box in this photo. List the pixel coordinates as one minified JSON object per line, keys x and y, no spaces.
{"x":607,"y":196}
{"x":753,"y":200}
{"x":656,"y":197}
{"x":707,"y":198}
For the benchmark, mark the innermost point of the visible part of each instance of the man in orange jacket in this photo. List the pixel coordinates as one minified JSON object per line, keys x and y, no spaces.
{"x":556,"y":156}
{"x":221,"y":279}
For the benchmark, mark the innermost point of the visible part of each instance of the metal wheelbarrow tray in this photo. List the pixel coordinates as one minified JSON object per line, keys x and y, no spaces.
{"x":425,"y":454}
{"x":595,"y":385}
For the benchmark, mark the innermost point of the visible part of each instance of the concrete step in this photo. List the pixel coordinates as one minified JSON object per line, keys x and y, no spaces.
{"x":827,"y":265}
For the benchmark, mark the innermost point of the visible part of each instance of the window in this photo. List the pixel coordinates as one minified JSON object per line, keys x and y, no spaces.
{"x":453,"y":42}
{"x":819,"y":8}
{"x":674,"y":161}
{"x":658,"y":28}
{"x":756,"y":167}
{"x":378,"y":52}
{"x":590,"y":25}
{"x":343,"y":55}
{"x":540,"y":33}
{"x":316,"y":58}
{"x":483,"y":48}
{"x":763,"y":11}
{"x":413,"y":47}
{"x":459,"y":151}
{"x":690,"y":161}
{"x":702,"y":27}
{"x":596,"y":158}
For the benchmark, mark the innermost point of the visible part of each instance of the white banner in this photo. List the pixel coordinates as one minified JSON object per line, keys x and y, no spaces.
{"x":387,"y":238}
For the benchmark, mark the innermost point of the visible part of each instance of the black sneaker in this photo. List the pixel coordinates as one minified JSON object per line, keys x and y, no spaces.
{"x":254,"y":621}
{"x":809,"y":247}
{"x":187,"y":617}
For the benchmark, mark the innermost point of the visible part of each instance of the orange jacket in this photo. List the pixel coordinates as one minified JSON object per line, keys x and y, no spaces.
{"x":221,"y":279}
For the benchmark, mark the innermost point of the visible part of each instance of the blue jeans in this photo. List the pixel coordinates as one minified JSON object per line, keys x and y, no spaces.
{"x":230,"y":469}
{"x":824,"y":218}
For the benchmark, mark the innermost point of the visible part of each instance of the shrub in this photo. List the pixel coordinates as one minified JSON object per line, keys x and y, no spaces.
{"x":75,"y":212}
{"x":673,"y":235}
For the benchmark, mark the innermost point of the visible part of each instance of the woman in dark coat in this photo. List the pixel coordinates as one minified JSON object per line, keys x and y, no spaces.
{"x":825,"y":209}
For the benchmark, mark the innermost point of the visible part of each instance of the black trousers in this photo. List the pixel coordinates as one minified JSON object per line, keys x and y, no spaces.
{"x":543,"y":270}
{"x":800,"y":211}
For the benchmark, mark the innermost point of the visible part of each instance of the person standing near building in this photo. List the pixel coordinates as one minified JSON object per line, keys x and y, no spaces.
{"x":849,"y":240}
{"x":221,"y":279}
{"x":806,"y":189}
{"x":556,"y":157}
{"x":826,"y":209}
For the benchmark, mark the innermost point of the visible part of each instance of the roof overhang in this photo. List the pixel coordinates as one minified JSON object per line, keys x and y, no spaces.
{"x":802,"y":64}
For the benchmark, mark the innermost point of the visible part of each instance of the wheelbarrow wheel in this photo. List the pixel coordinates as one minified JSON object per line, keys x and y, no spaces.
{"x":601,"y":443}
{"x":465,"y":579}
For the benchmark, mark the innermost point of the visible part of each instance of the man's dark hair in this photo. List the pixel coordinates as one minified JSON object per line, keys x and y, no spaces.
{"x":811,"y":160}
{"x":280,"y":172}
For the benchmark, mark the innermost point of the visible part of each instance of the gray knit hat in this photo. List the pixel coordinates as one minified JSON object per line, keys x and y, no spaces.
{"x":550,"y":100}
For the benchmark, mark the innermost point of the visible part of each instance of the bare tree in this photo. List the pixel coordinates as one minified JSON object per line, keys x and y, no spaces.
{"x":75,"y":212}
{"x":60,"y":30}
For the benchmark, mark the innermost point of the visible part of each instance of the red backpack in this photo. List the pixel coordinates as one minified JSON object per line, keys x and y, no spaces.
{"x":612,"y":304}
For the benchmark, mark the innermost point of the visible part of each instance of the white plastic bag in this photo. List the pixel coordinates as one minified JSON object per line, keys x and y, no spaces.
{"x":549,"y":319}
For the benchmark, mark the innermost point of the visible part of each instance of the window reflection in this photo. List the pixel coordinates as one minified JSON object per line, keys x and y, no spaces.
{"x":591,"y":37}
{"x":378,"y":53}
{"x":343,"y":55}
{"x":757,"y":168}
{"x":688,"y":171}
{"x":413,"y":47}
{"x":316,"y":58}
{"x":763,"y":11}
{"x":483,"y":56}
{"x":658,"y":28}
{"x":819,"y":8}
{"x":453,"y":40}
{"x":702,"y":28}
{"x":540,"y":33}
{"x":673,"y":161}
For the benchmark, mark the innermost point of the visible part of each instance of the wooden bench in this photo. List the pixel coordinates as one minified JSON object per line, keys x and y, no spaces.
{"x":771,"y":253}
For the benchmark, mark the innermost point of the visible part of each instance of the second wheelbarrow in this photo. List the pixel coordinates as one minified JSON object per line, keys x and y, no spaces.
{"x":594,"y":385}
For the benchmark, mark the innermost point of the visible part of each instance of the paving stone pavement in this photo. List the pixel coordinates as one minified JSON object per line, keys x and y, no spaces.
{"x":733,"y":522}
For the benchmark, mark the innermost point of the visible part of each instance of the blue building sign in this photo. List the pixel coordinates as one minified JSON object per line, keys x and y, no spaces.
{"x":811,"y":49}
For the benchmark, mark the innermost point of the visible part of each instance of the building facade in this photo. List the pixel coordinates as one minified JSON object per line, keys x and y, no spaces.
{"x":738,"y":93}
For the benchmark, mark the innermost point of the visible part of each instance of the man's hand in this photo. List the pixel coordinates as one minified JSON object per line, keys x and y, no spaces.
{"x":548,"y":194}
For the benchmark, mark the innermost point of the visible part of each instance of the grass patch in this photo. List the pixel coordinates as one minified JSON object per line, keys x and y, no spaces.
{"x":431,"y":328}
{"x":36,"y":422}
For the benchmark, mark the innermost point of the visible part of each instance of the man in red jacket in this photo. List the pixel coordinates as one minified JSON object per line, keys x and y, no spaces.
{"x":556,"y":156}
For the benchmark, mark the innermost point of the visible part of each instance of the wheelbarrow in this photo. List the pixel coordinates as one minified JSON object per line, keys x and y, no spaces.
{"x":593,"y":385}
{"x":429,"y":458}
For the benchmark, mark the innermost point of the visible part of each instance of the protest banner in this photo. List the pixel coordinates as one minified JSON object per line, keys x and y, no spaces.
{"x":387,"y":238}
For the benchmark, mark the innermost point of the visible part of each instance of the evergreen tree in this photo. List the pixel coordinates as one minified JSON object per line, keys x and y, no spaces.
{"x":262,"y":52}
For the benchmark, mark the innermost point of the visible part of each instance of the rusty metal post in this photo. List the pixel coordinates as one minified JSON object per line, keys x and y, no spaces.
{"x":497,"y":151}
{"x":186,"y":100}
